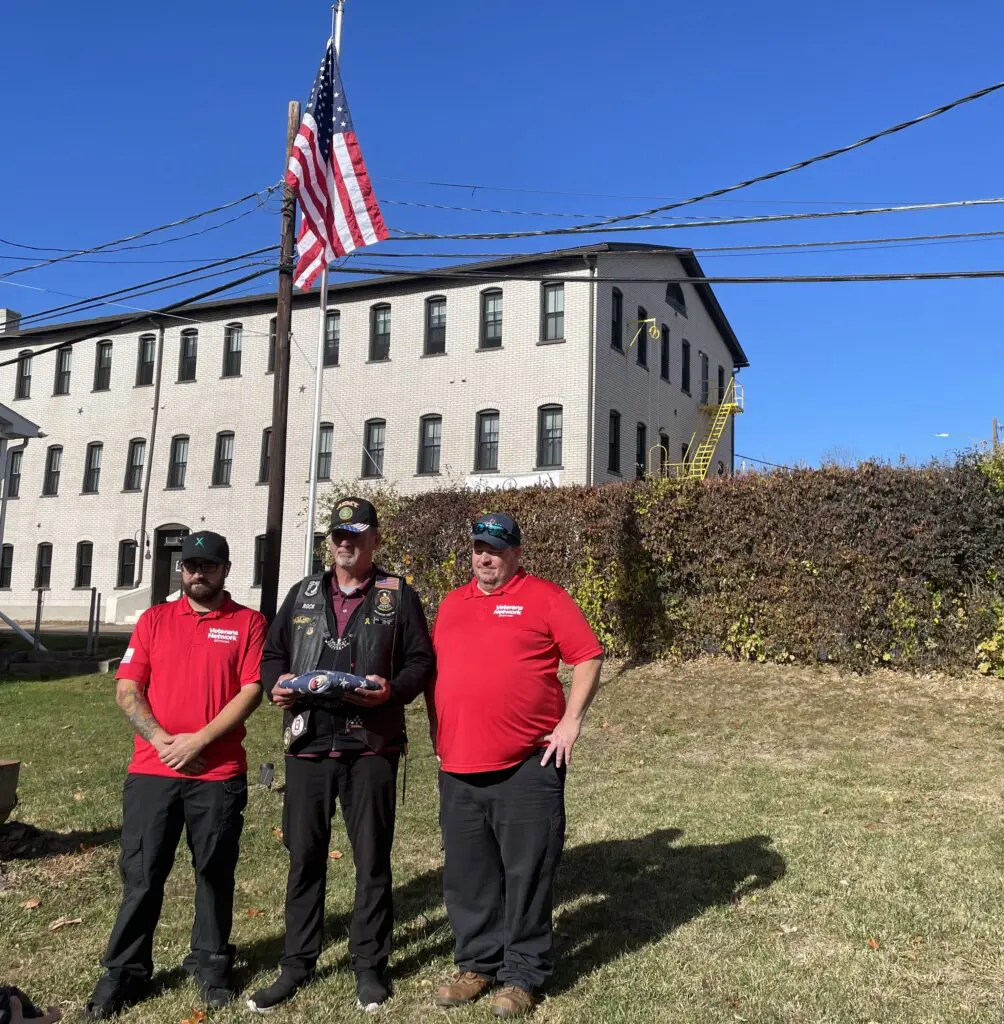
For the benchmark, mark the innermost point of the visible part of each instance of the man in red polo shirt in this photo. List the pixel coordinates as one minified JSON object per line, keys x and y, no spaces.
{"x":187,"y":682}
{"x":504,"y":735}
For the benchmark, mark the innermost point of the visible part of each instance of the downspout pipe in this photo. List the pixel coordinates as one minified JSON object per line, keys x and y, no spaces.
{"x":141,"y":553}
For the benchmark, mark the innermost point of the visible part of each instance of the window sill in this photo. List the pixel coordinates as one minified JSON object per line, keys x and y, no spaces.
{"x":614,"y":472}
{"x":61,"y":394}
{"x":490,"y":348}
{"x":56,"y":495}
{"x":22,"y":398}
{"x":217,"y":487}
{"x":99,"y":391}
{"x":81,"y":587}
{"x":370,"y":476}
{"x":186,"y":380}
{"x":124,"y":586}
{"x":230,"y":376}
{"x":89,"y":494}
{"x":150,"y":385}
{"x":131,"y":490}
{"x":176,"y":487}
{"x":663,"y":376}
{"x":385,"y":360}
{"x":432,"y":355}
{"x":684,"y":391}
{"x":428,"y":473}
{"x":546,"y":469}
{"x":329,"y":366}
{"x":485,"y":472}
{"x":552,"y":341}
{"x":679,"y":309}
{"x":618,"y":349}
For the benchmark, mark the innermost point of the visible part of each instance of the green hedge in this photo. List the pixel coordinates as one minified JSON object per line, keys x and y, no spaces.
{"x":865,"y":566}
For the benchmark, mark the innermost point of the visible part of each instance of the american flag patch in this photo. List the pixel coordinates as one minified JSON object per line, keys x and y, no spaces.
{"x":390,"y":583}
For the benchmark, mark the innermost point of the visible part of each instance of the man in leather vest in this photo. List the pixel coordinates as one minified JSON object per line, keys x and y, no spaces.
{"x":353,"y":618}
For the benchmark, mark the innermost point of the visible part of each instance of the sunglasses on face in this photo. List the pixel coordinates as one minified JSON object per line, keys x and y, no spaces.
{"x":493,"y":530}
{"x":201,"y":568}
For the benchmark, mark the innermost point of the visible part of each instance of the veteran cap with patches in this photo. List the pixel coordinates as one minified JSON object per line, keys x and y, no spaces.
{"x":356,"y":515}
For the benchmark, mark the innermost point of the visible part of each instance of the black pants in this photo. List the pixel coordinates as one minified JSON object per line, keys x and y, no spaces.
{"x":154,"y":812}
{"x":503,"y":834}
{"x":366,"y":787}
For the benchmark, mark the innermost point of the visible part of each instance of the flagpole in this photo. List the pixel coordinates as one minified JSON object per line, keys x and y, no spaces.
{"x":315,"y":442}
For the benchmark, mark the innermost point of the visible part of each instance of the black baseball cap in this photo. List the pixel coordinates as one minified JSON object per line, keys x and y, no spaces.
{"x":207,"y":546}
{"x":497,"y":530}
{"x":356,"y":515}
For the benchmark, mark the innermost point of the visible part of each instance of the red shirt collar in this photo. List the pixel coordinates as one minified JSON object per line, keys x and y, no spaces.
{"x":509,"y":587}
{"x":224,"y":611}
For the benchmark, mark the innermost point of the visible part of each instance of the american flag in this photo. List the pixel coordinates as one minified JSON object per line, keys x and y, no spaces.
{"x":328,"y":175}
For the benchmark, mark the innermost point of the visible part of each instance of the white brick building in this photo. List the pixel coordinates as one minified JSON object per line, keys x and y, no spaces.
{"x":468,"y":375}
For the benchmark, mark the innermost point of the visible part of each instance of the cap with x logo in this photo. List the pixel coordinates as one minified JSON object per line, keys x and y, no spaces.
{"x":208,"y":546}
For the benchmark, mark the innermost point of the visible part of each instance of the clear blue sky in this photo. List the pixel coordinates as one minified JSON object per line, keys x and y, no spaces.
{"x":118,"y":116}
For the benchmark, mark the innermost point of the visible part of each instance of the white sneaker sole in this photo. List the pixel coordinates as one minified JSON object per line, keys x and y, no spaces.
{"x":262,"y":1011}
{"x":369,"y":1007}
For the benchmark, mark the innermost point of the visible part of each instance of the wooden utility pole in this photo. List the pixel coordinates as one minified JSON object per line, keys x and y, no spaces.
{"x":280,"y":389}
{"x":995,"y":443}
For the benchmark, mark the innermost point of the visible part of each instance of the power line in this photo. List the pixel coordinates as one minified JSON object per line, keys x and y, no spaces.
{"x":130,"y":262}
{"x":935,"y":275}
{"x":809,"y":161}
{"x":762,"y":462}
{"x":139,"y":234}
{"x":147,"y":287}
{"x":107,"y":328}
{"x":415,"y":236}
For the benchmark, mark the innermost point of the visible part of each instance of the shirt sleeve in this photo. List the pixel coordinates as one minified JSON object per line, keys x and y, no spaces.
{"x":251,"y":665}
{"x":571,"y":632}
{"x":135,"y":664}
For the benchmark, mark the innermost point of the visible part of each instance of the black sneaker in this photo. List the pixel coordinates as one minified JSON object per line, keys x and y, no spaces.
{"x":267,"y":1000}
{"x":372,"y":989}
{"x":216,"y":994}
{"x":112,"y":994}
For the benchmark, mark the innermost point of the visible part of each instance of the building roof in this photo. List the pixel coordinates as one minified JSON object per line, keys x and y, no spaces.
{"x":13,"y":426}
{"x":455,"y":272}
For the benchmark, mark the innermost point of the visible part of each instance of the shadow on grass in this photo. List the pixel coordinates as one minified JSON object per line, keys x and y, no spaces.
{"x":634,"y":893}
{"x":20,"y":841}
{"x":637,"y":891}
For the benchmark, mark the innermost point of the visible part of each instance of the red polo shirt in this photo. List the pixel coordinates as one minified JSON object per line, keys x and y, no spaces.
{"x":189,"y":667}
{"x":497,"y":693}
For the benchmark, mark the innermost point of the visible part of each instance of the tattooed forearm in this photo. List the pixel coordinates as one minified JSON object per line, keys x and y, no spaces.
{"x":136,"y":709}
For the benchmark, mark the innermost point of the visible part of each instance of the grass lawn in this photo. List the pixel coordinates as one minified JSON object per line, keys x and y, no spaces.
{"x":745,"y":844}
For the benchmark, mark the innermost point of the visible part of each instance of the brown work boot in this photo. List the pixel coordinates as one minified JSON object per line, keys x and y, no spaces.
{"x":513,"y":1001}
{"x":463,"y":988}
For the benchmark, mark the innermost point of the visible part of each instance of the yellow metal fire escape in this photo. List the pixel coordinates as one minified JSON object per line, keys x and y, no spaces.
{"x":698,"y":460}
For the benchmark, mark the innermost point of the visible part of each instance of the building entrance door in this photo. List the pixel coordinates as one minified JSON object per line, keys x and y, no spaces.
{"x":167,"y":561}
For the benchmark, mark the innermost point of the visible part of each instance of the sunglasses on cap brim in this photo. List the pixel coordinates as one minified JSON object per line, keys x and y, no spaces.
{"x":493,"y":530}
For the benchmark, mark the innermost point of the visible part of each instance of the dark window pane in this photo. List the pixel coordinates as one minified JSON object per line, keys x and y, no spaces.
{"x":223,"y":460}
{"x":134,"y":464}
{"x":43,"y":566}
{"x":641,"y":340}
{"x":259,"y":560}
{"x":6,"y":566}
{"x":22,"y":389}
{"x":64,"y":358}
{"x":685,"y":368}
{"x":332,"y":337}
{"x":92,"y":469}
{"x":179,"y":462}
{"x":266,"y":455}
{"x":430,"y":442}
{"x":435,"y":326}
{"x":324,"y":446}
{"x":664,"y":354}
{"x":189,"y":356}
{"x":549,"y":429}
{"x":14,"y":475}
{"x":82,"y":576}
{"x":232,"y":344}
{"x":640,"y":450}
{"x":53,"y":463}
{"x":317,"y":565}
{"x":704,"y":379}
{"x":721,"y":384}
{"x":373,"y":448}
{"x":614,"y":453}
{"x":145,"y":360}
{"x":554,"y":312}
{"x":617,"y":320}
{"x":487,"y":456}
{"x":272,"y":343}
{"x":126,"y":576}
{"x":491,"y":319}
{"x":103,"y":366}
{"x":380,"y":333}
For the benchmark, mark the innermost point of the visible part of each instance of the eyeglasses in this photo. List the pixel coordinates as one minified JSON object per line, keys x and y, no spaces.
{"x":201,"y":568}
{"x":494,"y":530}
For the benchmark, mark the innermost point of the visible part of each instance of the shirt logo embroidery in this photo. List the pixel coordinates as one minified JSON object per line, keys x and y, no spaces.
{"x":223,"y":636}
{"x":508,"y":611}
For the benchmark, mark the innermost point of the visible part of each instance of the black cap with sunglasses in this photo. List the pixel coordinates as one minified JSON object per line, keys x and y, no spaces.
{"x":498,"y":531}
{"x":205,"y":546}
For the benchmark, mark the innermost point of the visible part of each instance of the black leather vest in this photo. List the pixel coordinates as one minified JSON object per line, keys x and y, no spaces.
{"x":365,"y":648}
